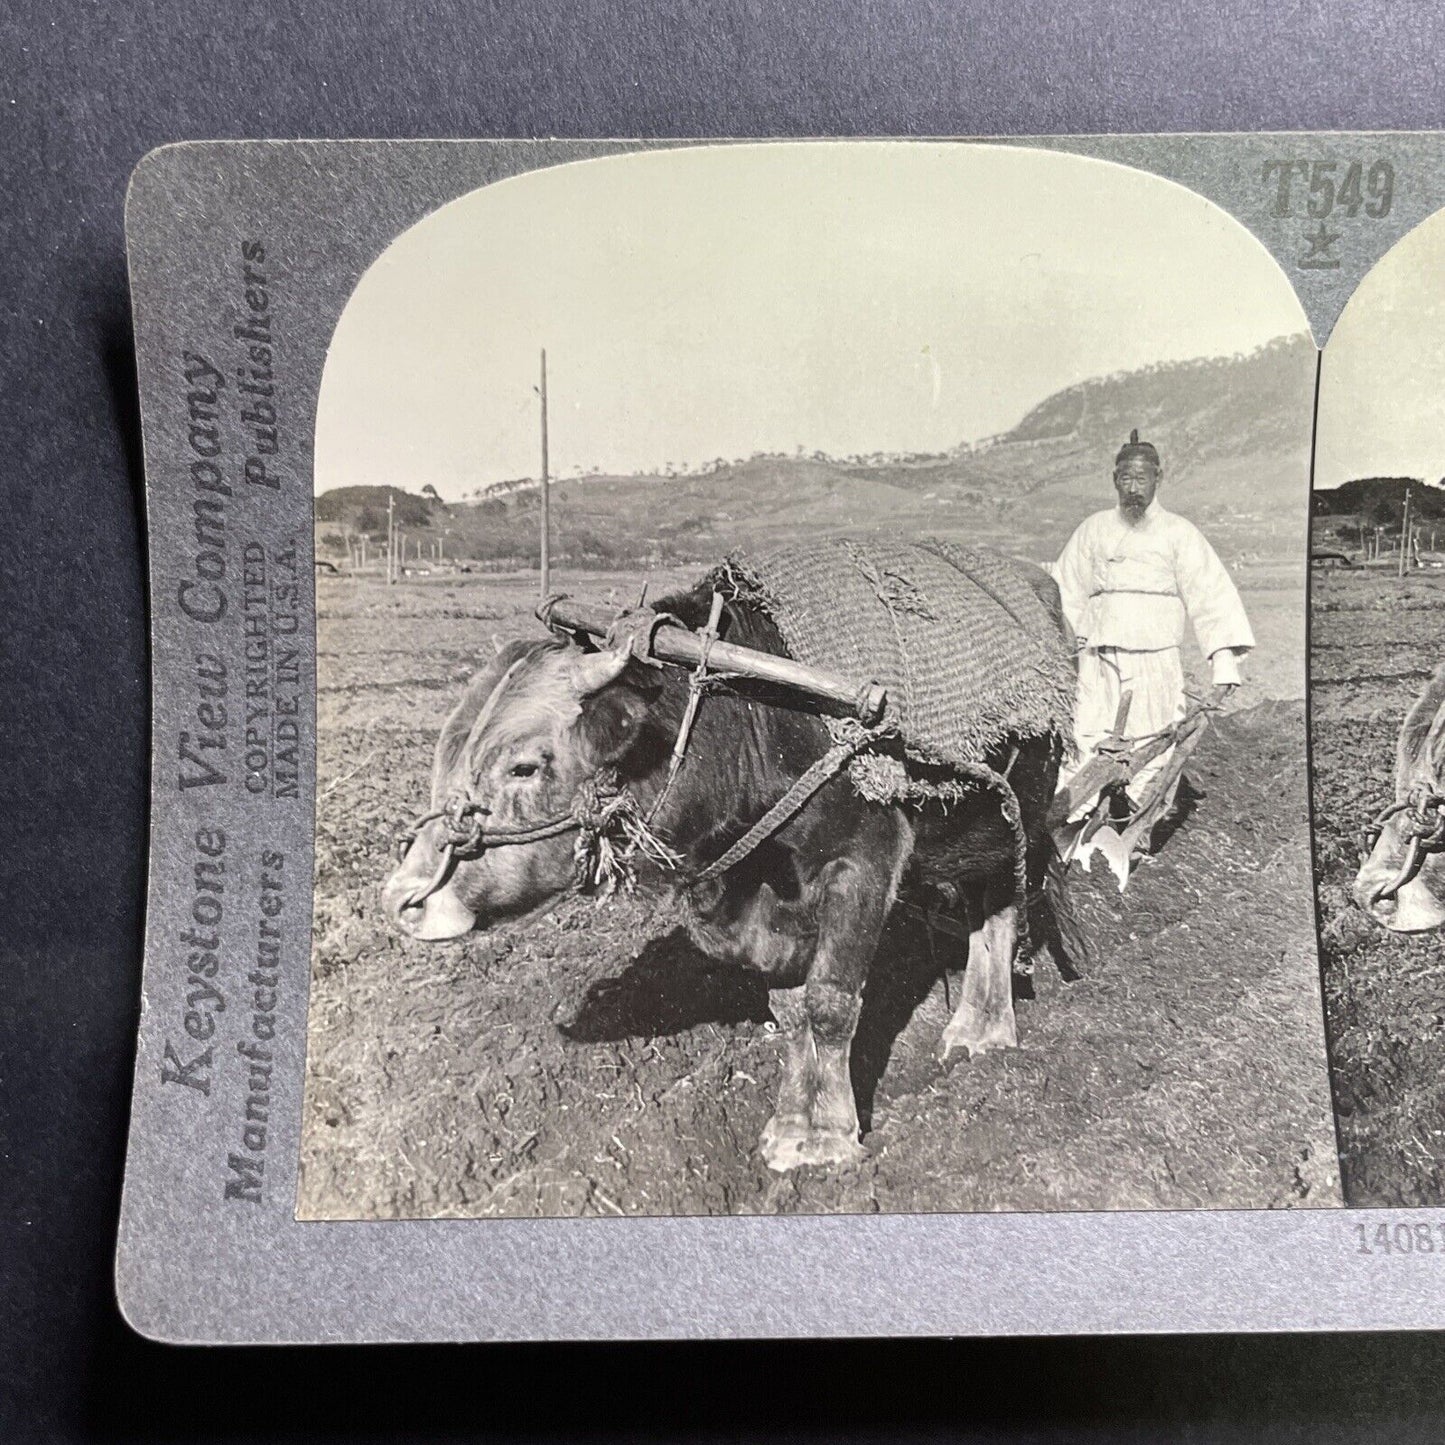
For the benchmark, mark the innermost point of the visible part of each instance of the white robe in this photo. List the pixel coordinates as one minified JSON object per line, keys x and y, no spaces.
{"x":1127,"y":589}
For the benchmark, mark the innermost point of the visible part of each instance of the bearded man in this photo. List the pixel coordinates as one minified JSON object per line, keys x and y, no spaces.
{"x":1129,"y":577}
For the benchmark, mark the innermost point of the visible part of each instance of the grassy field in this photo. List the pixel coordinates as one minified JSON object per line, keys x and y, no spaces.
{"x":589,"y":1062}
{"x":1374,"y":643}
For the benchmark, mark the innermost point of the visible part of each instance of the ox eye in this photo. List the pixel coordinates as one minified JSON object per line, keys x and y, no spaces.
{"x":523,"y":770}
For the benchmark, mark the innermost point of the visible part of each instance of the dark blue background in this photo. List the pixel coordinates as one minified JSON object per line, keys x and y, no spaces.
{"x":85,"y":90}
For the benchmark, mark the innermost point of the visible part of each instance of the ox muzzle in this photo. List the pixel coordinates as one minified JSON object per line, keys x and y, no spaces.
{"x":419,"y":897}
{"x":1398,"y":845}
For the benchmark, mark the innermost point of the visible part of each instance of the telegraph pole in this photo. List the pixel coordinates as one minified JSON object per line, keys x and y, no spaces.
{"x":1405,"y":534}
{"x":390,"y":537}
{"x":546,"y":492}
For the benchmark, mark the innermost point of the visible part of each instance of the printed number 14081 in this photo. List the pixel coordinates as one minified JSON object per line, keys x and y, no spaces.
{"x":1402,"y":1238}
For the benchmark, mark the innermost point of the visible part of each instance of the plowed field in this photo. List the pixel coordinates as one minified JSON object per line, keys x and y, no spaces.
{"x":590,"y":1062}
{"x":1375,"y":641}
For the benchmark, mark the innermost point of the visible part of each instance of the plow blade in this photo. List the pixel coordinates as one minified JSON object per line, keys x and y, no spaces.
{"x":1114,"y":764}
{"x":1115,"y":767}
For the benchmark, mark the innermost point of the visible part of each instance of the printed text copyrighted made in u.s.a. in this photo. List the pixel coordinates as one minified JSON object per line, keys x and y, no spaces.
{"x":238,"y":598}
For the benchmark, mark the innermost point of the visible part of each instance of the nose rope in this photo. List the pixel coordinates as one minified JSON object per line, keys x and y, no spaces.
{"x":444,"y":868}
{"x":467,"y":836}
{"x":600,"y":812}
{"x":1422,"y":816}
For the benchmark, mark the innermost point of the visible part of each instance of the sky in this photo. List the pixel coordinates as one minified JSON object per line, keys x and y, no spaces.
{"x":1383,"y":376}
{"x":720,"y":301}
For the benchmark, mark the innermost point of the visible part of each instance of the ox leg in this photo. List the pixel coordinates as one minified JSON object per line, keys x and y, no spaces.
{"x":816,"y":1120}
{"x":984,"y":1018}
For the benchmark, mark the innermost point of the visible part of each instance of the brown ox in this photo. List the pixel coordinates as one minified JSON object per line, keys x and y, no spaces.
{"x":1402,"y":883}
{"x":537,"y":728}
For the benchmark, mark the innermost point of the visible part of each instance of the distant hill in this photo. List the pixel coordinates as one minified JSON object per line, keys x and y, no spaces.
{"x":364,"y":508}
{"x":1380,"y":501}
{"x":1233,"y":433}
{"x":1348,"y":516}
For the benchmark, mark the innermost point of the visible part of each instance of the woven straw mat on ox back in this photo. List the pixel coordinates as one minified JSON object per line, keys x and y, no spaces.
{"x":969,"y":650}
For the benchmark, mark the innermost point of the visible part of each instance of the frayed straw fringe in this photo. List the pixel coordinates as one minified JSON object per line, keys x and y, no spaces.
{"x":614,"y":833}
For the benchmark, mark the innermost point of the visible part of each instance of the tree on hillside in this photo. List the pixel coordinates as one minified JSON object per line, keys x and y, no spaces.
{"x":410,"y":511}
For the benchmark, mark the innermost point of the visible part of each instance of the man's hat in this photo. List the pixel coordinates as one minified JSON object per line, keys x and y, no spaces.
{"x":1135,"y":448}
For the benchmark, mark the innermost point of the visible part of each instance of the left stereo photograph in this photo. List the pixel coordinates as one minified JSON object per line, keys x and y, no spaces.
{"x":931,"y":417}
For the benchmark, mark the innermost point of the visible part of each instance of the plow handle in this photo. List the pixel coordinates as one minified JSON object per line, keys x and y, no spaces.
{"x":675,"y":644}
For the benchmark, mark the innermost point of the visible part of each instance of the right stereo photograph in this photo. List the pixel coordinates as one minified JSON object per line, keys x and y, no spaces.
{"x":1377,"y":689}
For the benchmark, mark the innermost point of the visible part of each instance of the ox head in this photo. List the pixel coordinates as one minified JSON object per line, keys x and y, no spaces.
{"x":535,"y":725}
{"x":1402,"y":882}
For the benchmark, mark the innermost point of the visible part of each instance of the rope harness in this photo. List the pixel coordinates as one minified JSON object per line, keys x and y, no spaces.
{"x":611,"y":826}
{"x":828,"y":766}
{"x":1422,"y":821}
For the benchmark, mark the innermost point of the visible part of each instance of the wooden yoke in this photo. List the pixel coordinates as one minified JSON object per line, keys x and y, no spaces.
{"x":664,"y":641}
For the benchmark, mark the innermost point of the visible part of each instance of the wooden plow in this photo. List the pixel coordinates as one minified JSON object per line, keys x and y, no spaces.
{"x":1105,"y":775}
{"x":651,"y":637}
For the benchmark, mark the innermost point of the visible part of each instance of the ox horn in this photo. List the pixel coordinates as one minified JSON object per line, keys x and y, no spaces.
{"x":592,"y":671}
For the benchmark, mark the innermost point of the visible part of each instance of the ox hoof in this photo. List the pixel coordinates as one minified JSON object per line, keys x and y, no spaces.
{"x":792,"y":1143}
{"x":971,"y":1037}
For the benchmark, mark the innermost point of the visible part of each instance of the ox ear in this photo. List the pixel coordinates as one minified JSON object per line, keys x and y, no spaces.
{"x":612,"y":723}
{"x":592,"y":671}
{"x":613,"y":720}
{"x":1435,"y":746}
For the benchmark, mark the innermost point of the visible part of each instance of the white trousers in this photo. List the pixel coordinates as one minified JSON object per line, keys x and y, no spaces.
{"x":1155,"y":681}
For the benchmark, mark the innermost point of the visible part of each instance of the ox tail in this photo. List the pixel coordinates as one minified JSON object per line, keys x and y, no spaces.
{"x":1058,"y":928}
